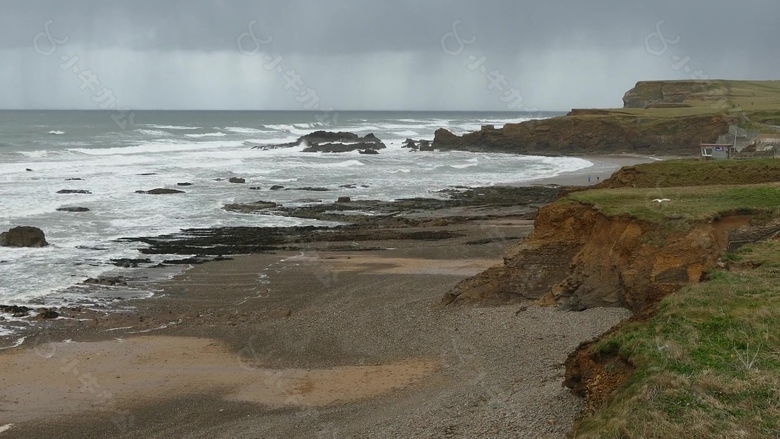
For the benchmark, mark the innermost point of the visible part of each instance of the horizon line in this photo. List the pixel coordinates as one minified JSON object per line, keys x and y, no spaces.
{"x":287,"y":111}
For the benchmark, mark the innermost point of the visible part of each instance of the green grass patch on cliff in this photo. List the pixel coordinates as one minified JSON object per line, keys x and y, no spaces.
{"x":707,"y":364}
{"x":686,"y":205}
{"x":693,"y":172}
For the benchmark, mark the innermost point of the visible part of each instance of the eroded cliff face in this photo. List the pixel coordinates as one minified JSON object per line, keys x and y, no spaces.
{"x":576,"y":258}
{"x":592,"y":132}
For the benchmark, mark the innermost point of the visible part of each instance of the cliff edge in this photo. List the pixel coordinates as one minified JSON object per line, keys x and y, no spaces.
{"x":631,"y":246}
{"x":578,"y":258}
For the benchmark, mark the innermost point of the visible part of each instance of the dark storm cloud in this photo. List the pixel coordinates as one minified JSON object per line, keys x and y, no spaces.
{"x":562,"y":53}
{"x":348,"y":26}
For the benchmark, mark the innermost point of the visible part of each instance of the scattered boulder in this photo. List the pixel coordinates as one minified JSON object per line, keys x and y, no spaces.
{"x":73,"y":191}
{"x":348,"y":186}
{"x":422,"y":145}
{"x":425,"y":145}
{"x":280,"y":313}
{"x":183,"y":184}
{"x":276,"y":187}
{"x":236,"y":180}
{"x":109,"y":281}
{"x":255,"y":188}
{"x":28,"y":170}
{"x":344,"y":147}
{"x":15,"y":310}
{"x":368,"y":151}
{"x":23,"y":236}
{"x":73,"y":179}
{"x":72,"y":209}
{"x":48,"y":314}
{"x":344,"y":200}
{"x":251,"y":207}
{"x":310,"y":189}
{"x":130,"y":263}
{"x":146,"y":174}
{"x":160,"y":191}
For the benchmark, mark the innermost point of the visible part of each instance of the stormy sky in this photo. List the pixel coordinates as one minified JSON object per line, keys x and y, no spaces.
{"x":371,"y":54}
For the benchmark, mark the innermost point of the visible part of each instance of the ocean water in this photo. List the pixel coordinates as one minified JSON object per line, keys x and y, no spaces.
{"x":161,"y":149}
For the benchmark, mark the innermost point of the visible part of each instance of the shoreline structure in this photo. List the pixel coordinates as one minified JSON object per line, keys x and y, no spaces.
{"x":330,"y":336}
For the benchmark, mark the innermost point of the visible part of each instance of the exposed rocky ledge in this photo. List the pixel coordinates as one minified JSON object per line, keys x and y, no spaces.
{"x":584,"y":132}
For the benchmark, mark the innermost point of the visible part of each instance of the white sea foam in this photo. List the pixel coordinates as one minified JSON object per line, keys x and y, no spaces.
{"x":57,"y":133}
{"x":406,"y":133}
{"x":337,"y":164}
{"x":151,"y":132}
{"x":152,"y":147}
{"x":299,"y":129}
{"x":216,"y":134}
{"x":471,"y":163}
{"x":171,"y":127}
{"x":35,"y":154}
{"x":242,"y":130}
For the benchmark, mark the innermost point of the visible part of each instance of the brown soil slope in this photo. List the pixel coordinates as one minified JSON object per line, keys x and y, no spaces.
{"x":577,"y":258}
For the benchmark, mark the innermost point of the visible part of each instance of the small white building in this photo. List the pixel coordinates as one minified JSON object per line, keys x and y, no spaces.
{"x":716,"y":151}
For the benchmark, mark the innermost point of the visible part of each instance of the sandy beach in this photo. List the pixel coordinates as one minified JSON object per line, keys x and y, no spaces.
{"x":603,"y":167}
{"x":320,"y":341}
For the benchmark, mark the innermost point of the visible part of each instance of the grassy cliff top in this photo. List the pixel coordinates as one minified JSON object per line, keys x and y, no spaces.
{"x":694,"y":172}
{"x":688,"y":204}
{"x":753,"y":104}
{"x":696,"y":190}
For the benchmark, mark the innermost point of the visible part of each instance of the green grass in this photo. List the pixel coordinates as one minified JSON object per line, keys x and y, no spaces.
{"x":753,"y":104}
{"x":694,"y":172}
{"x":687,"y":204}
{"x":707,"y":365}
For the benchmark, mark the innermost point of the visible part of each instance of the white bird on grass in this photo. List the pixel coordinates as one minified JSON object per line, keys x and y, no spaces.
{"x":661,"y":201}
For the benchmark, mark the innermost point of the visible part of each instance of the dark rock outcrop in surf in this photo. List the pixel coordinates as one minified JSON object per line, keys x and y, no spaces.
{"x":160,"y":191}
{"x":73,"y":191}
{"x":328,"y":141}
{"x":250,"y":207}
{"x":23,"y":236}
